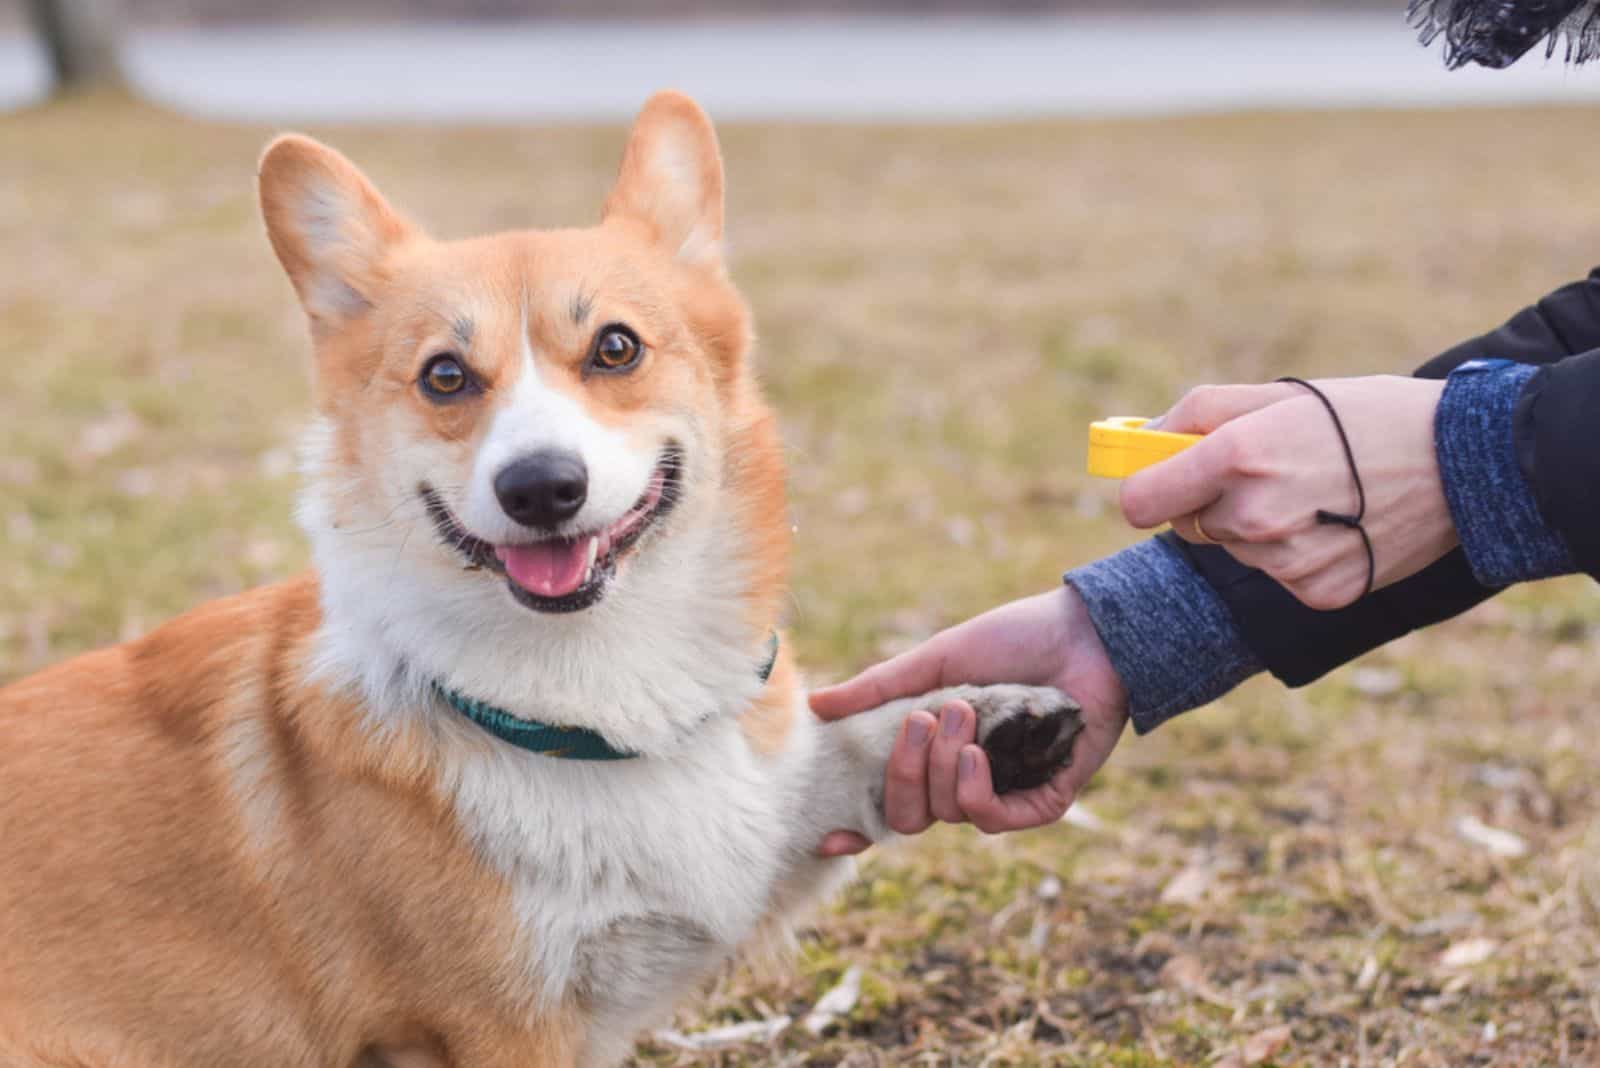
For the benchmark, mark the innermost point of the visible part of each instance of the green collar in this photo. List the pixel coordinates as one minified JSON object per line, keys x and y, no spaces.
{"x":566,"y":743}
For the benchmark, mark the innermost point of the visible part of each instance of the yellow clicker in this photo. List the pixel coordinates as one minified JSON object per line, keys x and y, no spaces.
{"x":1120,"y":446}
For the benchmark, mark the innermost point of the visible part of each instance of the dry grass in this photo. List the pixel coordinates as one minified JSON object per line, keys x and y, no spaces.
{"x":941,"y":311}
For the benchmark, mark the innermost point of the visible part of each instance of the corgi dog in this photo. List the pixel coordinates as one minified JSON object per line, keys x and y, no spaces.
{"x":524,"y":757}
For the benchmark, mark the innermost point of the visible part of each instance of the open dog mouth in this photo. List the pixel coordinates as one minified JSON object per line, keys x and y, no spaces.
{"x":570,"y":572}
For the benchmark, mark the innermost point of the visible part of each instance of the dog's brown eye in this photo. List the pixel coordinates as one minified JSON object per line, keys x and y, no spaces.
{"x":444,"y":376}
{"x":616,"y":349}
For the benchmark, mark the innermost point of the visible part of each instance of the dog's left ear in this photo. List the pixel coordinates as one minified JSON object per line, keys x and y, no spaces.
{"x":671,"y":179}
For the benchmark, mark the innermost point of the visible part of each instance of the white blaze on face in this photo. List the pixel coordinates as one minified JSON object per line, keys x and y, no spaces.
{"x":535,"y":418}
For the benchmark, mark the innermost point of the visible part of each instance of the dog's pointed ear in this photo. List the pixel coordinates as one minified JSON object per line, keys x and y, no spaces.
{"x":333,"y":232}
{"x":671,"y":179}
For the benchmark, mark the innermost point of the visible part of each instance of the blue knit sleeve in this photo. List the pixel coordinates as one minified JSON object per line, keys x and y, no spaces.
{"x":1169,"y":635}
{"x":1497,"y":517}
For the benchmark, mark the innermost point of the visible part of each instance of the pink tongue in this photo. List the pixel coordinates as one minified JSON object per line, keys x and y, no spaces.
{"x":547,"y":568}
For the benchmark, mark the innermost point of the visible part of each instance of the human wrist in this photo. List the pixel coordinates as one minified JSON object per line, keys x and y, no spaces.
{"x":1166,"y":634}
{"x":1497,"y":518}
{"x":1084,"y":653}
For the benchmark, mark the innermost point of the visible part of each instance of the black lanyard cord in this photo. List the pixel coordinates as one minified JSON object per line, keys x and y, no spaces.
{"x":1352,"y":522}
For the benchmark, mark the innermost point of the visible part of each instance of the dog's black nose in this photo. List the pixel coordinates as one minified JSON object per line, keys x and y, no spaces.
{"x":544,"y":489}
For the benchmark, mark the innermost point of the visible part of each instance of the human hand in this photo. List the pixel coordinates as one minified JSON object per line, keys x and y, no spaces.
{"x":1271,"y":458}
{"x":935,"y":771}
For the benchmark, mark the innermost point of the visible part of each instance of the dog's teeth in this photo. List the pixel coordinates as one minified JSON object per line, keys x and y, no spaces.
{"x":594,"y":552}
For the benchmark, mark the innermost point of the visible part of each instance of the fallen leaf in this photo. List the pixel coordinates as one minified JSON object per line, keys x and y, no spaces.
{"x":1189,"y":886}
{"x":998,"y":922}
{"x":1188,"y":975}
{"x":1466,"y":954}
{"x":1264,"y":1045}
{"x":1368,"y":974}
{"x":836,"y":1002}
{"x":1493,"y":839}
{"x":1258,"y":1048}
{"x":1376,"y":682}
{"x":1184,"y":972}
{"x":1504,"y":777}
{"x":1443,"y":924}
{"x":716,"y":1038}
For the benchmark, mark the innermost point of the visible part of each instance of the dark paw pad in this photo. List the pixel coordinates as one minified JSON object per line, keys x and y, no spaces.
{"x":1030,"y":746}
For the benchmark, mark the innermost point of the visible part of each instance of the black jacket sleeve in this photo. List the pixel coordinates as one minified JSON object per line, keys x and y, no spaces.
{"x":1299,"y":644}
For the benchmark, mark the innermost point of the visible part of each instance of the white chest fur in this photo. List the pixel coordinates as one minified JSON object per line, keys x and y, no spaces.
{"x":631,"y":879}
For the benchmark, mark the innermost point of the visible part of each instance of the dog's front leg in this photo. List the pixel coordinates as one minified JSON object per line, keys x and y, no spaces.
{"x":1027,"y":732}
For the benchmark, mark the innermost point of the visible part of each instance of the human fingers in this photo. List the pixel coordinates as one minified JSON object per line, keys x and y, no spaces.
{"x":992,"y":813}
{"x":843,"y":844}
{"x":957,"y":728}
{"x":905,"y":789}
{"x":1205,"y":408}
{"x":995,"y":813}
{"x":1191,"y":529}
{"x":913,"y":672}
{"x":1181,"y":485}
{"x":1250,"y":513}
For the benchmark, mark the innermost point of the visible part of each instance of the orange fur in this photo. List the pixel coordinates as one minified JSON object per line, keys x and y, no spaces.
{"x":175,"y":811}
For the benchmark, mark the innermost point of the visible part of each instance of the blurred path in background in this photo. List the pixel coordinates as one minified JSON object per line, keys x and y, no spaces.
{"x":898,"y":68}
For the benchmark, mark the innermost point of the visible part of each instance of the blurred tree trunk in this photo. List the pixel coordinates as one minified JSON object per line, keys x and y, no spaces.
{"x":81,"y":38}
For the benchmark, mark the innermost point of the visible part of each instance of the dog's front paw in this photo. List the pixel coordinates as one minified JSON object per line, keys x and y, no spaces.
{"x":1027,"y":731}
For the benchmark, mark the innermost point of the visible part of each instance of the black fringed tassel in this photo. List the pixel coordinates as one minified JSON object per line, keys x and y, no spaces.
{"x":1497,"y":33}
